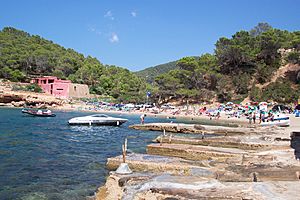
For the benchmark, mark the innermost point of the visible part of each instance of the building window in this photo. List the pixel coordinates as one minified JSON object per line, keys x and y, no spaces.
{"x":74,"y":88}
{"x":59,"y":89}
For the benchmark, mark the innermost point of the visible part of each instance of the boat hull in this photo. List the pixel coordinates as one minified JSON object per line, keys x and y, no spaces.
{"x":96,"y":120}
{"x":31,"y":113}
{"x":98,"y":123}
{"x":282,"y":123}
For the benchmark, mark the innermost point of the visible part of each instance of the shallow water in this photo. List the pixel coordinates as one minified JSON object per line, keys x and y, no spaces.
{"x":45,"y":158}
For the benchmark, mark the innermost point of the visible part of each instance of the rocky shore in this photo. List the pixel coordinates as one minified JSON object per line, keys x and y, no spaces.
{"x":11,"y":98}
{"x":210,"y":162}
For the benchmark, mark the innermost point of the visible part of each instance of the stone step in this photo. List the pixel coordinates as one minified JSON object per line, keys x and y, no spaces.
{"x":193,"y":152}
{"x":161,"y":164}
{"x":200,"y":129}
{"x":222,"y":141}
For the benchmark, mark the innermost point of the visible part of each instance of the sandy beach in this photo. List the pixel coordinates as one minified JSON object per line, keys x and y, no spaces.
{"x":223,"y":119}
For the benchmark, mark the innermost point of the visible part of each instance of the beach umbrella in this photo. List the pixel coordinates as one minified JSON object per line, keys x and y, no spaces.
{"x":250,"y":107}
{"x":210,"y":110}
{"x":263,"y":103}
{"x":229,"y":103}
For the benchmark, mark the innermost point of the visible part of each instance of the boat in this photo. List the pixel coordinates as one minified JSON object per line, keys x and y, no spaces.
{"x":171,"y":117}
{"x":38,"y":113}
{"x":278,"y":120}
{"x":97,"y":119}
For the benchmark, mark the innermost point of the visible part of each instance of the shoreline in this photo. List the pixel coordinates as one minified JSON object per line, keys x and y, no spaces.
{"x":188,"y":117}
{"x":223,"y":120}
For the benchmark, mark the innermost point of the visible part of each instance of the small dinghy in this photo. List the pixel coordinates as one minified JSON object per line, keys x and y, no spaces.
{"x":97,"y":119}
{"x":38,"y":113}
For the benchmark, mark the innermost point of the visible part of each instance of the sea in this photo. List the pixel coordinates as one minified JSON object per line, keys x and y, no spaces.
{"x":46,"y":159}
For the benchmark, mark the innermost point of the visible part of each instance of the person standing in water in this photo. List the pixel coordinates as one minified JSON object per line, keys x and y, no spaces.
{"x":143,"y":118}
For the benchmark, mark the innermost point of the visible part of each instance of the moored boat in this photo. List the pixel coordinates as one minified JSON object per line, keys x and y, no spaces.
{"x":277,"y":120}
{"x":276,"y":123}
{"x":97,"y":119}
{"x":38,"y":113}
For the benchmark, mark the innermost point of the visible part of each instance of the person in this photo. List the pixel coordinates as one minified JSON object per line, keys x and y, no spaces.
{"x":263,"y":116}
{"x":250,"y":117}
{"x":260,"y":116}
{"x":253,"y":117}
{"x":218,"y":115}
{"x":269,"y":117}
{"x":272,"y":116}
{"x":143,"y":118}
{"x":238,"y":114}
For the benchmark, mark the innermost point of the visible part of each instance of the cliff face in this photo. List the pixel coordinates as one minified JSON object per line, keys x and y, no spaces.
{"x":28,"y":99}
{"x":8,"y":98}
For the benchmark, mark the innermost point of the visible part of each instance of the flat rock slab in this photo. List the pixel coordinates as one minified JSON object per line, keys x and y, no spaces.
{"x":260,"y":173}
{"x":160,"y":164}
{"x":225,"y":141}
{"x":200,"y":129}
{"x":168,"y":127}
{"x":193,"y":152}
{"x":141,"y":186}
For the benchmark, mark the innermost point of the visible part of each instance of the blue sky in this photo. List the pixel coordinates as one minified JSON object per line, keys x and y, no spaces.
{"x":136,"y":34}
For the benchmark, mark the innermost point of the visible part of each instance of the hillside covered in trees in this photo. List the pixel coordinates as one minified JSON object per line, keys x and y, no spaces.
{"x":242,"y":66}
{"x":261,"y":64}
{"x":23,"y":55}
{"x":150,"y":73}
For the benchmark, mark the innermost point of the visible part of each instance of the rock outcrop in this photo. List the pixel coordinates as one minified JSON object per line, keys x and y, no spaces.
{"x":224,"y":163}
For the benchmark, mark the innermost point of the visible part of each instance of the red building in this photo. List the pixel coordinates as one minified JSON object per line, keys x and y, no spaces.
{"x":61,"y":88}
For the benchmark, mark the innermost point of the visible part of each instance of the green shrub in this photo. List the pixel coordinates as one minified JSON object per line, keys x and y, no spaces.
{"x":31,"y":88}
{"x":34,"y":88}
{"x":293,"y":57}
{"x":241,"y":82}
{"x":12,"y":75}
{"x":224,"y":96}
{"x":255,"y":93}
{"x":280,"y":92}
{"x":264,"y":72}
{"x":18,"y":88}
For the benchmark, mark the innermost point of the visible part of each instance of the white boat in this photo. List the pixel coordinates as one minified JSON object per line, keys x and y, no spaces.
{"x":278,"y":120}
{"x":97,"y":119}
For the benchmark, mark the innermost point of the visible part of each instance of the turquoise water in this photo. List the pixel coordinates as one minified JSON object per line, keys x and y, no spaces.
{"x":45,"y":158}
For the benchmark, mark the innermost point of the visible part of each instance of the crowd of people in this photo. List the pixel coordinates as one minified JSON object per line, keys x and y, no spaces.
{"x":254,"y":112}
